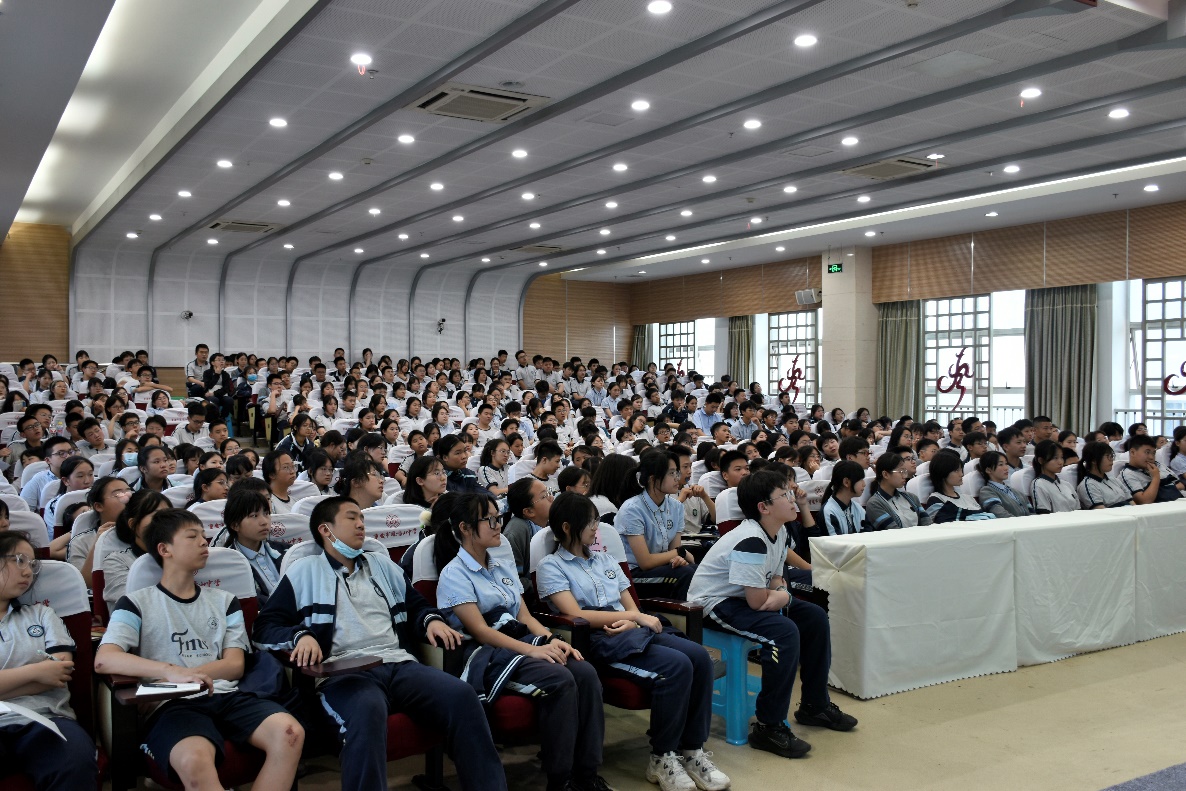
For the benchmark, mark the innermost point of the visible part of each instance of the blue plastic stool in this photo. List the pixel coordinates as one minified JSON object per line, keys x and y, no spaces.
{"x":734,"y":696}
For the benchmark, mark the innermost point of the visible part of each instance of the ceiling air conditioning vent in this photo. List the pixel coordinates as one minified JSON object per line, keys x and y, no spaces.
{"x":539,"y":249}
{"x":475,"y":103}
{"x":894,"y":168}
{"x":242,"y":227}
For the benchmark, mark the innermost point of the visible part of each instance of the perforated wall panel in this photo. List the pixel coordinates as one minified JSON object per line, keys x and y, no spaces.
{"x":493,"y":320}
{"x":380,"y":310}
{"x":184,"y":281}
{"x":440,"y":294}
{"x":254,"y":318}
{"x":110,"y":300}
{"x":320,"y":305}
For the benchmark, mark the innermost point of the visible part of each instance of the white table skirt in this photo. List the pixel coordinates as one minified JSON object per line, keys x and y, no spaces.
{"x":1161,"y":569}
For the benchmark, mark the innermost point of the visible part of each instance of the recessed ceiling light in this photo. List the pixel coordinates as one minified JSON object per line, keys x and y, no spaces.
{"x":642,"y":271}
{"x":686,"y":213}
{"x":620,"y":166}
{"x":752,"y":123}
{"x":670,"y":237}
{"x":184,"y":194}
{"x":1151,"y":188}
{"x":403,"y":236}
{"x":1119,"y":112}
{"x":604,"y":232}
{"x":780,"y":249}
{"x":405,"y":139}
{"x":485,"y":260}
{"x":375,"y":212}
{"x":704,"y":260}
{"x":1031,"y":93}
{"x":1011,"y":168}
{"x":436,"y":185}
{"x":640,"y":105}
{"x":283,"y":202}
{"x":154,"y":217}
{"x":335,"y":176}
{"x":528,"y":196}
{"x":991,"y":214}
{"x":935,"y":156}
{"x":359,"y":250}
{"x":288,"y":247}
{"x":424,"y":255}
{"x":534,"y":226}
{"x":805,"y":40}
{"x":133,"y":235}
{"x":850,"y":255}
{"x":211,"y":241}
{"x":601,"y":252}
{"x":755,"y":220}
{"x":870,"y":233}
{"x":360,"y":59}
{"x":458,"y":218}
{"x":611,"y":205}
{"x":279,"y":123}
{"x":709,"y":179}
{"x":789,"y":189}
{"x":543,"y":263}
{"x":578,"y":269}
{"x":519,"y":153}
{"x":850,"y":141}
{"x":659,"y":6}
{"x":864,"y":199}
{"x":224,"y":163}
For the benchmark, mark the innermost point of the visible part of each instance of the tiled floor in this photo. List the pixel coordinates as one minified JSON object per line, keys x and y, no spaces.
{"x":1081,"y":725}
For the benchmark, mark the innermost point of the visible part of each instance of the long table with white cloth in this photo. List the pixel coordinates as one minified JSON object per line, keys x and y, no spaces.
{"x":925,"y":605}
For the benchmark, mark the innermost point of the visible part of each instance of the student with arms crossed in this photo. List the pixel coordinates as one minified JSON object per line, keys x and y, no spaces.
{"x":195,"y":635}
{"x":740,"y":585}
{"x":347,"y":603}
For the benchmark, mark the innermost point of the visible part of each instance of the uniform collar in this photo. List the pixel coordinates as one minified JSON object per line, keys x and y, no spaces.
{"x":566,"y":555}
{"x":474,"y":565}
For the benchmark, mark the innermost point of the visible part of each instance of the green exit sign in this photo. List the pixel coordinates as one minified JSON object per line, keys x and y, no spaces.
{"x":835,"y":268}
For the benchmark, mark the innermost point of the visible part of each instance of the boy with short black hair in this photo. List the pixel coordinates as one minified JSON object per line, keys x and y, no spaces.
{"x":195,"y":635}
{"x":156,"y":425}
{"x":548,"y":458}
{"x":195,"y":429}
{"x":740,"y":585}
{"x":1144,"y":477}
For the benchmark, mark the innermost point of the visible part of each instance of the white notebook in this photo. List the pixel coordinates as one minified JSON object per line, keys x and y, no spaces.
{"x":168,"y":686}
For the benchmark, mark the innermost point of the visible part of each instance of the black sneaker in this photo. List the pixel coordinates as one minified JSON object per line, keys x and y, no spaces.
{"x":594,"y":783}
{"x":829,"y":716}
{"x":777,"y":739}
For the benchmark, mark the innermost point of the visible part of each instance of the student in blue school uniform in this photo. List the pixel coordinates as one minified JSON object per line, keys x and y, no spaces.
{"x":651,"y":524}
{"x":348,"y":603}
{"x":512,"y":652}
{"x":625,"y":642}
{"x":739,"y":584}
{"x":36,"y":663}
{"x":842,"y":514}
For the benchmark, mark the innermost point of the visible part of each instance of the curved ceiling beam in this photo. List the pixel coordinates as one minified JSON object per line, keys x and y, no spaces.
{"x":950,"y":196}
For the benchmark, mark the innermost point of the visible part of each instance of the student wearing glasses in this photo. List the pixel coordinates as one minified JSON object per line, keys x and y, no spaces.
{"x":651,"y":524}
{"x":890,"y":506}
{"x":280,"y":473}
{"x":57,"y":450}
{"x":35,"y":666}
{"x":361,"y":480}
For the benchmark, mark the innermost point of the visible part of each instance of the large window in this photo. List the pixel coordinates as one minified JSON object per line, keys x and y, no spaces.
{"x":677,"y":345}
{"x":961,"y":339}
{"x":794,"y":356}
{"x":1161,"y":340}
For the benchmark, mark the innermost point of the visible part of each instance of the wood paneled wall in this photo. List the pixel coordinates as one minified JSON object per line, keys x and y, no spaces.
{"x":1149,"y":242}
{"x":35,"y":282}
{"x":562,"y":318}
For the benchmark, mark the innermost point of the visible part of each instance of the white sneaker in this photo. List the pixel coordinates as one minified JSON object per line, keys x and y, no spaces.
{"x":668,"y":771}
{"x":703,"y":772}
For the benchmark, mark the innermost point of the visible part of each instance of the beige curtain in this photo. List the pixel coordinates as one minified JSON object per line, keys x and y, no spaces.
{"x":741,"y":346}
{"x":1060,"y":328}
{"x":640,"y":350}
{"x":899,"y":359}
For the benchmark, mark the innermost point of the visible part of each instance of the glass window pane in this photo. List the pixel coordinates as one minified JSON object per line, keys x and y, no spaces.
{"x":1009,"y":353}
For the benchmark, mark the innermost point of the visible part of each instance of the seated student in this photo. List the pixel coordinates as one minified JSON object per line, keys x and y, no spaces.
{"x":574,"y":479}
{"x":183,"y":633}
{"x":209,"y":484}
{"x":94,"y":440}
{"x":158,"y":403}
{"x":1012,"y":443}
{"x":528,"y":502}
{"x":77,"y":475}
{"x":890,"y":506}
{"x":57,"y":450}
{"x":427,"y":481}
{"x":211,"y":460}
{"x":975,"y":443}
{"x":829,"y":447}
{"x":348,"y":603}
{"x":1049,"y":493}
{"x":955,"y":439}
{"x":511,"y":651}
{"x":651,"y":524}
{"x":948,"y":503}
{"x":279,"y":474}
{"x":925,"y":449}
{"x":996,"y":495}
{"x":1144,"y":478}
{"x":630,"y":644}
{"x":35,"y":666}
{"x":130,"y":527}
{"x":548,"y":458}
{"x":741,"y":587}
{"x":156,"y":465}
{"x":842,"y":514}
{"x":107,"y":498}
{"x":300,"y":440}
{"x":494,"y":471}
{"x":248,"y":519}
{"x":195,"y":429}
{"x":361,"y":480}
{"x":1098,"y":489}
{"x":239,"y":467}
{"x":320,"y":471}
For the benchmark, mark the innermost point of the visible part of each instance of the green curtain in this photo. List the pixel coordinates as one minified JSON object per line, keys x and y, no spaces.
{"x":640,"y":351}
{"x":899,"y":359}
{"x":1060,"y":328}
{"x":741,"y":348}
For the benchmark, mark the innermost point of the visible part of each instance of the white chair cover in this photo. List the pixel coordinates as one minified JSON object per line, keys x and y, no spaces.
{"x":726,"y":506}
{"x":290,"y":529}
{"x":305,"y":505}
{"x":33,"y":469}
{"x":1021,"y":482}
{"x":178,"y":496}
{"x":14,"y":502}
{"x":713,"y":483}
{"x":226,"y":569}
{"x":68,"y":499}
{"x":60,"y":586}
{"x":210,"y":513}
{"x":32,"y":525}
{"x":393,"y":525}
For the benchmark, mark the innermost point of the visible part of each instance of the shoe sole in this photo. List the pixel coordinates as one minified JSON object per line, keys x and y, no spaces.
{"x":776,"y":751}
{"x":822,"y":723}
{"x":655,"y":780}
